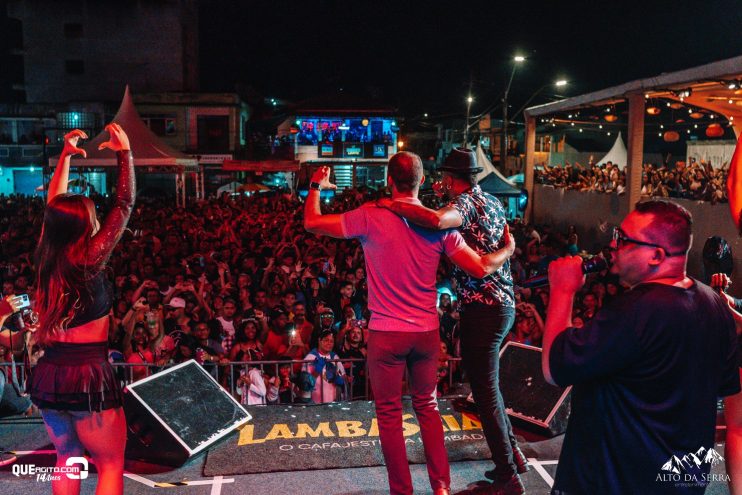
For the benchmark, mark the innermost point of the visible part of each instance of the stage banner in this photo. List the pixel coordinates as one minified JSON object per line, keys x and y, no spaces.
{"x":337,"y":435}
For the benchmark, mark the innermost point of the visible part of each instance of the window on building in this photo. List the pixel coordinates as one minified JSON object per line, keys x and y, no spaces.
{"x":307,"y":134}
{"x":357,"y":132}
{"x":161,"y":125}
{"x":311,"y":131}
{"x":377,"y":131}
{"x":73,"y":30}
{"x":331,"y":131}
{"x":74,"y":67}
{"x":372,"y":175}
{"x":30,"y":131}
{"x":76,"y":120}
{"x":6,"y":132}
{"x":213,"y":133}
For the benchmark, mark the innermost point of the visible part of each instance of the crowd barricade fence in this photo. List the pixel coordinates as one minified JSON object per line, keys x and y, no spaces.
{"x":225,"y":373}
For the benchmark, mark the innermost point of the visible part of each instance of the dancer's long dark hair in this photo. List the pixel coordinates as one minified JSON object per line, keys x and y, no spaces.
{"x":61,"y":261}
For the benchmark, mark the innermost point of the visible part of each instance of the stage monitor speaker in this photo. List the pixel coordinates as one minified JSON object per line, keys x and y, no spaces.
{"x":177,"y":413}
{"x":531,"y":402}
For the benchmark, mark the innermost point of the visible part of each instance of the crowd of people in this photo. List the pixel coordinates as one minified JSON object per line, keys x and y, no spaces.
{"x":237,"y":279}
{"x":698,"y":181}
{"x":281,"y":290}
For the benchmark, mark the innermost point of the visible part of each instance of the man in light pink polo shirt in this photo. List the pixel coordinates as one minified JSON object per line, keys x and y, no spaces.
{"x":401,"y":263}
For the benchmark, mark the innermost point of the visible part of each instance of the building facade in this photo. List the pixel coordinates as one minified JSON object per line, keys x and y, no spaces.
{"x":353,"y":136}
{"x":197,"y":123}
{"x":209,"y":126}
{"x":84,"y":50}
{"x":29,"y":134}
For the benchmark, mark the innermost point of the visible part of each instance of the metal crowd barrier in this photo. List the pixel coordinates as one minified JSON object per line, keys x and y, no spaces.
{"x":226,"y":373}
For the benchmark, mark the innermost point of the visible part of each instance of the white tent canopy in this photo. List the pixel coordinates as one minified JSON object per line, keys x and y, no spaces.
{"x":231,"y":188}
{"x":617,"y":155}
{"x":148,"y":149}
{"x":488,"y":168}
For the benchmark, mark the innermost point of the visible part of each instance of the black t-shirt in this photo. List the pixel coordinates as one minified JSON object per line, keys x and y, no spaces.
{"x":175,"y":331}
{"x":358,"y":369}
{"x":352,"y":353}
{"x":647,"y":372}
{"x":448,"y":325}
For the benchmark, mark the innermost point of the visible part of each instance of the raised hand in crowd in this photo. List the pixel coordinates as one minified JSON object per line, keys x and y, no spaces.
{"x":71,"y":140}
{"x":118,"y":141}
{"x":60,"y":179}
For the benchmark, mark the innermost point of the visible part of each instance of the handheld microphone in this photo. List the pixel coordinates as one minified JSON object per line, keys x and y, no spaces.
{"x":593,"y":265}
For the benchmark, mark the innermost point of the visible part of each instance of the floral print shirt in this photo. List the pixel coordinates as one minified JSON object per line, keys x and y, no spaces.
{"x":483,"y":223}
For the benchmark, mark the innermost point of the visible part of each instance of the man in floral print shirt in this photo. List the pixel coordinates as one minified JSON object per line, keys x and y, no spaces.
{"x":482,"y":225}
{"x":488,"y":304}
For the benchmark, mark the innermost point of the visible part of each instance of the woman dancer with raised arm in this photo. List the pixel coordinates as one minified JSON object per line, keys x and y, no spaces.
{"x":74,"y":385}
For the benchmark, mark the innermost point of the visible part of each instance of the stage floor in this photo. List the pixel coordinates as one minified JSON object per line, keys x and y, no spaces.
{"x":30,"y":438}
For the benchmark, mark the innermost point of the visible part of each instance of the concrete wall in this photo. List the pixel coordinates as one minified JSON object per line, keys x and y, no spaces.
{"x":595,"y":214}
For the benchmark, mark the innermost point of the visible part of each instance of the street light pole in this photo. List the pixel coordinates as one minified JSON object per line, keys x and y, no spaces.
{"x":558,"y":84}
{"x":469,"y":100}
{"x":504,"y":140}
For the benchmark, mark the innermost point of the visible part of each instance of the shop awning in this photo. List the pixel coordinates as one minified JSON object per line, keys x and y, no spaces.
{"x":706,"y":86}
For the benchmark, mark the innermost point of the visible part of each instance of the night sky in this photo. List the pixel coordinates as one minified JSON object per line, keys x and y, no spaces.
{"x":421,"y":56}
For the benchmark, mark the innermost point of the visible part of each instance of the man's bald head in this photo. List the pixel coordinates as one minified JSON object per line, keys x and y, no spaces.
{"x":406,"y":171}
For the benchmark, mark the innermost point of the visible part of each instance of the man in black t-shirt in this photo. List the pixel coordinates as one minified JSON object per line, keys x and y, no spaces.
{"x":647,"y":370}
{"x":354,"y":348}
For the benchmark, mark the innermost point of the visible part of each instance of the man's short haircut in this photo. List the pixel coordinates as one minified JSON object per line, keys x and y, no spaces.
{"x":671,"y":226}
{"x":406,"y":170}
